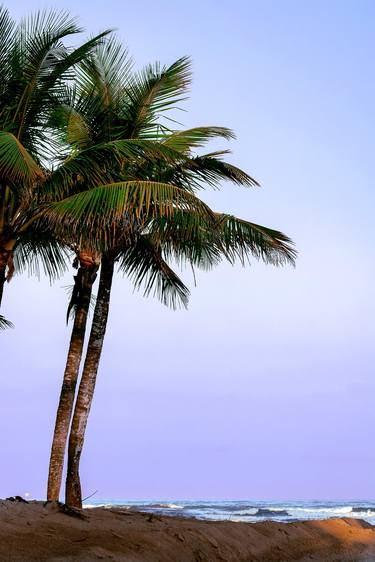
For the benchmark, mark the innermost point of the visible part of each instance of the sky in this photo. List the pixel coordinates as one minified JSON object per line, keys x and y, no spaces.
{"x":264,"y":388}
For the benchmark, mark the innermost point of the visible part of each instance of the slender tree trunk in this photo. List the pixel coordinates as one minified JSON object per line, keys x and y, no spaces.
{"x":83,"y":287}
{"x":6,"y":265}
{"x":73,"y":494}
{"x":2,"y":281}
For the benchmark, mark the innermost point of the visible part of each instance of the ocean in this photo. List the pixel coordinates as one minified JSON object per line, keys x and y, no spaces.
{"x":249,"y":511}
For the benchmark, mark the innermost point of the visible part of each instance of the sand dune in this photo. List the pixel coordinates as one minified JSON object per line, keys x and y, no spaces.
{"x":36,"y":532}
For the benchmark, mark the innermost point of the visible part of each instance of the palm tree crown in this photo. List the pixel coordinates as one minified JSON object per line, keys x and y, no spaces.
{"x":35,"y":66}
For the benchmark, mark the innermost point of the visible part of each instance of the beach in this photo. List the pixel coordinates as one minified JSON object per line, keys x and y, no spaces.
{"x":36,"y":531}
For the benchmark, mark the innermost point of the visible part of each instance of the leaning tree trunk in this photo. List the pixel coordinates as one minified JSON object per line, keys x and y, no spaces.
{"x":6,"y":264}
{"x":73,"y":494}
{"x":81,"y":295}
{"x":2,"y":281}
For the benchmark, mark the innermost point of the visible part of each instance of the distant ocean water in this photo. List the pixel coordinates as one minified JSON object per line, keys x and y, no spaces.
{"x":250,"y":511}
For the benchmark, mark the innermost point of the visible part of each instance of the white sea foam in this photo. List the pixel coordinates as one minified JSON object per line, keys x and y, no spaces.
{"x":172,"y":506}
{"x":92,"y":505}
{"x":250,"y":511}
{"x":338,"y":510}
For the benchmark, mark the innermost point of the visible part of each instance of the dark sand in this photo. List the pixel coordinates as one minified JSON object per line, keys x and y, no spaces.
{"x":33,"y":532}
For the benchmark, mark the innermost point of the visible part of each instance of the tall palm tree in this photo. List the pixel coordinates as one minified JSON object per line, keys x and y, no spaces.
{"x":98,"y":121}
{"x":34,"y":66}
{"x":133,"y":111}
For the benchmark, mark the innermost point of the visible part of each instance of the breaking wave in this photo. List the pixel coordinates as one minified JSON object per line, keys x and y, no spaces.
{"x":248,"y":510}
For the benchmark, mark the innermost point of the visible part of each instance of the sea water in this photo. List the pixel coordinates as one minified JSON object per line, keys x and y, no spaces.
{"x":250,"y":511}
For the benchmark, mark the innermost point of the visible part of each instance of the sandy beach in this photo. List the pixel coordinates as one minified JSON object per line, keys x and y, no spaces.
{"x":31,"y":532}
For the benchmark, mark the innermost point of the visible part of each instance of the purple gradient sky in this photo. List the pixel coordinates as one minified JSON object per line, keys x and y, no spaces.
{"x":265,"y":388}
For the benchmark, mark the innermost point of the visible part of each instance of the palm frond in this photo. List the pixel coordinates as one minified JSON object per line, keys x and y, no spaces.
{"x":39,"y":46}
{"x":4,"y":323}
{"x":71,"y":59}
{"x":143,"y":262}
{"x":188,"y":237}
{"x":16,"y":164}
{"x":38,"y":250}
{"x":243,"y":239}
{"x":185,"y":141}
{"x":155,"y":90}
{"x":97,"y":164}
{"x":77,"y":131}
{"x":195,"y":173}
{"x":7,"y":27}
{"x":62,"y":67}
{"x":127,"y":204}
{"x":106,"y":71}
{"x":212,"y":169}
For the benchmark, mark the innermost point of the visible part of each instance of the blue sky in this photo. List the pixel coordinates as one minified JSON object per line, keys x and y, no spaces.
{"x":264,"y":388}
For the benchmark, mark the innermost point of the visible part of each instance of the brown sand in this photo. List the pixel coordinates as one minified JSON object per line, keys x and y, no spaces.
{"x":33,"y":532}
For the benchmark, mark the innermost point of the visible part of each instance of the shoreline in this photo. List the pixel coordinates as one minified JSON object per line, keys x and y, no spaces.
{"x":36,"y":531}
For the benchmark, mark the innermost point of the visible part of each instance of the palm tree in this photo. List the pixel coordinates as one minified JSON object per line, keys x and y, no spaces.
{"x":139,"y":238}
{"x":34,"y":66}
{"x":101,"y":144}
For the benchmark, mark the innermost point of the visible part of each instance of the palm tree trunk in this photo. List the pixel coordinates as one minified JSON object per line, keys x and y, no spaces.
{"x":2,"y":281}
{"x":73,"y":494}
{"x":83,"y":287}
{"x":6,"y":263}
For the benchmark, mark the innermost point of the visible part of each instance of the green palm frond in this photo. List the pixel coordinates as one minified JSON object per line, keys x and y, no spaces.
{"x":7,"y":27}
{"x":38,"y":48}
{"x":105,"y":72}
{"x":100,"y":94}
{"x":16,"y":164}
{"x":212,"y":169}
{"x":143,"y":262}
{"x":154,"y":91}
{"x":71,"y":59}
{"x":45,"y":27}
{"x":195,"y":172}
{"x":243,"y":240}
{"x":188,"y":237}
{"x":51,"y":90}
{"x":35,"y":65}
{"x":97,"y":164}
{"x":131,"y":203}
{"x":185,"y":141}
{"x":38,"y":250}
{"x":77,"y":130}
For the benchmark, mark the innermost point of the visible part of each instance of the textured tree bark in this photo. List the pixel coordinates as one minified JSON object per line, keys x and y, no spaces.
{"x":73,"y":493}
{"x":83,"y":286}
